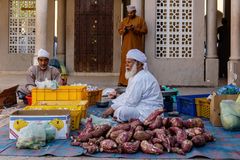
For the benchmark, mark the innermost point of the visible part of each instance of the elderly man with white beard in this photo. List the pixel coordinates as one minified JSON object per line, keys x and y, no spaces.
{"x":143,"y":94}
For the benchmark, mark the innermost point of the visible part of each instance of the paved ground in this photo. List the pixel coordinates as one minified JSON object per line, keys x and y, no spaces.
{"x":8,"y":80}
{"x":53,"y":158}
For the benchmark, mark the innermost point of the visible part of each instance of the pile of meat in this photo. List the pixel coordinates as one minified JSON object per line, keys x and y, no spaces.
{"x":155,"y":135}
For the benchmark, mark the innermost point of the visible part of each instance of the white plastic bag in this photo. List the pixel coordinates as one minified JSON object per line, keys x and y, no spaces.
{"x":50,"y":131}
{"x":238,"y":99}
{"x":107,"y":91}
{"x":230,"y":114}
{"x":100,"y":121}
{"x":47,"y":84}
{"x":32,"y":137}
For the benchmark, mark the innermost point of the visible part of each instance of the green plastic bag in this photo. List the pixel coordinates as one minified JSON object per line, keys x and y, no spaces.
{"x":230,"y":114}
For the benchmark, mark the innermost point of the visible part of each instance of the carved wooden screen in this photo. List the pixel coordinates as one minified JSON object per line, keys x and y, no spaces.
{"x":22,"y":26}
{"x":174,"y":32}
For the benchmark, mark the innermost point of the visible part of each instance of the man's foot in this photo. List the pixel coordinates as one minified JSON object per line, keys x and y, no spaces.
{"x":114,"y":118}
{"x":108,"y":112}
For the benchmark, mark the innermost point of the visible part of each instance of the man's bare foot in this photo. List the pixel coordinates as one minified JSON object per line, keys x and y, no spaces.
{"x":108,"y":112}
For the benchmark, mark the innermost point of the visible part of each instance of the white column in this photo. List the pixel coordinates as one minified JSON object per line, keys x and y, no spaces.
{"x":224,"y":12}
{"x":41,"y":27}
{"x":234,"y":60}
{"x":139,"y":6}
{"x":61,"y":30}
{"x":212,"y":66}
{"x":235,"y":30}
{"x":212,"y":29}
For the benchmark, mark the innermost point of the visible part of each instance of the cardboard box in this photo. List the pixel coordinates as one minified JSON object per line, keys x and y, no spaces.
{"x":215,"y":108}
{"x":8,"y":97}
{"x":78,"y":109}
{"x":60,"y":119}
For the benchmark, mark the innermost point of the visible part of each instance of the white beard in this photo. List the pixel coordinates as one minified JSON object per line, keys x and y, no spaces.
{"x":132,"y":72}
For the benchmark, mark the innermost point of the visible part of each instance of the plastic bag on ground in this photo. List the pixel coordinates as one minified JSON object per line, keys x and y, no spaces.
{"x":238,"y":99}
{"x":99,"y":121}
{"x":230,"y":114}
{"x":107,"y":91}
{"x":228,"y":89}
{"x":50,"y":132}
{"x":32,"y":137}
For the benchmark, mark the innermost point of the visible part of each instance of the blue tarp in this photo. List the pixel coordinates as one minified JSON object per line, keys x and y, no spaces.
{"x":226,"y":146}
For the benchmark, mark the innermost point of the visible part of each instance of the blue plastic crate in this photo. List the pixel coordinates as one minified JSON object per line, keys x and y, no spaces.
{"x":168,"y":104}
{"x":186,"y":104}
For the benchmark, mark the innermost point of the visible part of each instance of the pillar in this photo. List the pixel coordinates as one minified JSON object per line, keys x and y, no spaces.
{"x":234,"y":60}
{"x":61,"y":30}
{"x":224,"y":11}
{"x":212,"y":65}
{"x":212,"y":29}
{"x":41,"y":27}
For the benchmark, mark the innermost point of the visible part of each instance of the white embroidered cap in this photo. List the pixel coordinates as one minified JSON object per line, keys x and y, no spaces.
{"x":131,"y":8}
{"x":139,"y":56}
{"x":43,"y":53}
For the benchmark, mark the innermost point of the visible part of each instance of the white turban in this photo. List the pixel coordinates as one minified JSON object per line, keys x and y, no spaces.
{"x":131,"y":8}
{"x":138,"y":56}
{"x":43,"y":53}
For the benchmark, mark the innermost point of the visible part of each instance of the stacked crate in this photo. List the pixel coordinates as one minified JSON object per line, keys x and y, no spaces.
{"x":71,"y":98}
{"x":186,"y":104}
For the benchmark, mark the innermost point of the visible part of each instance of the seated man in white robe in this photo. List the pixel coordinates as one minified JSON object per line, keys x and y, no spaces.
{"x":143,"y":94}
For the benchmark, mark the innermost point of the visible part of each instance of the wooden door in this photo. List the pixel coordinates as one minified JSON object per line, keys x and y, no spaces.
{"x":93,"y":36}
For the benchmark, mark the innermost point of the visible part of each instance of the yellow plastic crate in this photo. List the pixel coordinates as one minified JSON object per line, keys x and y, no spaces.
{"x":63,"y":93}
{"x":203,"y":107}
{"x":77,"y":109}
{"x":92,"y":96}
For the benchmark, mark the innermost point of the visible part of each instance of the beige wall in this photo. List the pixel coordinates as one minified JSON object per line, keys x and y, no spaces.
{"x":185,"y":71}
{"x":9,"y":62}
{"x":18,"y":62}
{"x":70,"y":39}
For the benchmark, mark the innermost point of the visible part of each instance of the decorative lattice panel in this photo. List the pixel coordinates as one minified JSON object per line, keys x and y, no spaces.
{"x":22,"y":26}
{"x":174,"y":29}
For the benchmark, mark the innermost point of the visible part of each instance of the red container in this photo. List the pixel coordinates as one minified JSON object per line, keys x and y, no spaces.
{"x":29,"y":100}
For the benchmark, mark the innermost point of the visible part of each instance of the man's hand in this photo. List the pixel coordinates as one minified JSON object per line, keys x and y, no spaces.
{"x":63,"y":81}
{"x":131,"y":27}
{"x":108,"y":112}
{"x":125,"y":29}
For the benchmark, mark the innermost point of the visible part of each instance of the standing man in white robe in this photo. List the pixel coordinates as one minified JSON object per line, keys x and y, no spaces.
{"x":143,"y":94}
